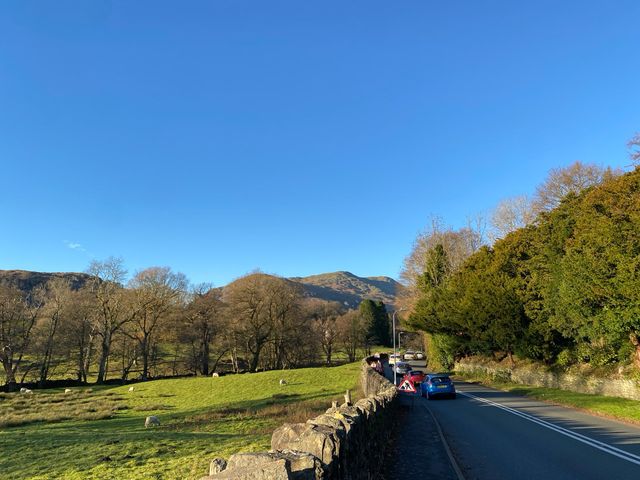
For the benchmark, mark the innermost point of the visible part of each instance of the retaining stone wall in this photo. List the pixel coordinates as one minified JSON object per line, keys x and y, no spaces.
{"x":345,"y":443}
{"x":539,"y":376}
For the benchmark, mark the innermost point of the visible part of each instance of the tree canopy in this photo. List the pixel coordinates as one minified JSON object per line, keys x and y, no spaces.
{"x":565,"y":288}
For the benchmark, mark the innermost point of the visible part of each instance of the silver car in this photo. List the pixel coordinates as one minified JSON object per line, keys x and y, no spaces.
{"x":402,"y":368}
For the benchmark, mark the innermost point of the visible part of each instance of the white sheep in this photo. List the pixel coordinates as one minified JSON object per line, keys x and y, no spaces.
{"x":26,"y":391}
{"x":283,"y":382}
{"x":215,"y":375}
{"x":68,"y":390}
{"x":151,"y":421}
{"x":131,"y":389}
{"x":23,"y":390}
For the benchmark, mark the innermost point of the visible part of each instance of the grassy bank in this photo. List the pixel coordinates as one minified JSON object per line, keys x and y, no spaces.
{"x":100,"y":433}
{"x":622,"y":409}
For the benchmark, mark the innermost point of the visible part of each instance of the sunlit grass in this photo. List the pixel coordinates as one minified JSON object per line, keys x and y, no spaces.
{"x":201,"y":418}
{"x":80,"y":404}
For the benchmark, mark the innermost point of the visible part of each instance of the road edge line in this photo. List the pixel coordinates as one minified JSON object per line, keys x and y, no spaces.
{"x":592,"y":442}
{"x":452,"y":459}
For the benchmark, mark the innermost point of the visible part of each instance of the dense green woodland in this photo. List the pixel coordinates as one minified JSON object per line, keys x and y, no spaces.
{"x":564,"y":289}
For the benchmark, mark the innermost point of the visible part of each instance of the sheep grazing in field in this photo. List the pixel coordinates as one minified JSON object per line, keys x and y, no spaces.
{"x":23,"y":390}
{"x":68,"y":390}
{"x":283,"y":382}
{"x":151,"y":420}
{"x":131,"y":389}
{"x":26,"y":391}
{"x":215,"y":375}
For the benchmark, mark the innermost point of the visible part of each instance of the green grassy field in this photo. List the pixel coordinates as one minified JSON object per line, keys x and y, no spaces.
{"x":617,"y":408}
{"x":101,"y":435}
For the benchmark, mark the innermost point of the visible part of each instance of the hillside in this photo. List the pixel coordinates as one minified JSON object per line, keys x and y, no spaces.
{"x":349,"y":289}
{"x":27,"y":281}
{"x":343,"y":287}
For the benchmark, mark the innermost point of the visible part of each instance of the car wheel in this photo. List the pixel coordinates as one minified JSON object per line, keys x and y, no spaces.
{"x":453,"y":396}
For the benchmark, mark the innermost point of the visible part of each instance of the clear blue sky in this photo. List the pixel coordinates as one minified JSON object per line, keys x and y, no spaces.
{"x":217,"y":137}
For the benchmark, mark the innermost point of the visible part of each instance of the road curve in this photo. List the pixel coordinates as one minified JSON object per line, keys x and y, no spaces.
{"x":496,"y":435}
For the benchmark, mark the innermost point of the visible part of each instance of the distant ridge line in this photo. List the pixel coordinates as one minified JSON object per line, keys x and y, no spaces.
{"x":341,"y":286}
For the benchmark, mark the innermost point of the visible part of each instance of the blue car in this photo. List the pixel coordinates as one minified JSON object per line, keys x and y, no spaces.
{"x":437,"y":385}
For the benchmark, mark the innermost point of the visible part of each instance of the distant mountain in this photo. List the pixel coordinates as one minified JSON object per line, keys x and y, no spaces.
{"x":27,"y":281}
{"x":343,"y":287}
{"x":349,"y":289}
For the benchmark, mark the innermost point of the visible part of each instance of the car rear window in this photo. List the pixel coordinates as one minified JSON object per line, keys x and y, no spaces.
{"x":440,"y":379}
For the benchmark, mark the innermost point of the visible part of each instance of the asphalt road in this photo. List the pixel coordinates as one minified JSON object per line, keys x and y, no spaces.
{"x":496,"y":435}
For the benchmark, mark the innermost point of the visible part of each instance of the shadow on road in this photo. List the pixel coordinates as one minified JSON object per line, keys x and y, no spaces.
{"x":416,"y":450}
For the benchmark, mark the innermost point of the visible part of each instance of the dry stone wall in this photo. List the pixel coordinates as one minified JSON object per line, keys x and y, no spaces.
{"x":539,"y":376}
{"x":344,"y":443}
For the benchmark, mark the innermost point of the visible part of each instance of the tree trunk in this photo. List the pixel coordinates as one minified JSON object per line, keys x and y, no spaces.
{"x":511,"y":361}
{"x":255,"y":358}
{"x":104,"y":355}
{"x":635,"y":341}
{"x":80,"y":372}
{"x":215,"y":364}
{"x":234,"y":360}
{"x":145,"y":357}
{"x":10,"y":376}
{"x":86,"y":361}
{"x":48,"y":354}
{"x":44,"y":368}
{"x":204,"y":361}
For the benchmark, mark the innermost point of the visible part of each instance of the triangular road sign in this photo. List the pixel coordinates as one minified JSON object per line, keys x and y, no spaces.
{"x":407,"y":386}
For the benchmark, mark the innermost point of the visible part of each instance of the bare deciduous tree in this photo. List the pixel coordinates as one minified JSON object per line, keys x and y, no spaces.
{"x":18,"y":315}
{"x":572,"y":179}
{"x":284,"y":309}
{"x":58,"y":295}
{"x":634,"y":149}
{"x":260,"y":311}
{"x":511,"y":214}
{"x":324,"y":316}
{"x":351,"y":333}
{"x":113,"y":305}
{"x":155,"y":291}
{"x":203,"y":321}
{"x":78,"y":330}
{"x":457,"y":244}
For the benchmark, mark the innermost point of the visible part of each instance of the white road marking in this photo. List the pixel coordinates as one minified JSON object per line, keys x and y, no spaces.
{"x":605,"y":447}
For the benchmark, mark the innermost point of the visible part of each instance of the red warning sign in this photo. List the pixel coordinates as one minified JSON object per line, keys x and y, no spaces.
{"x":407,"y":386}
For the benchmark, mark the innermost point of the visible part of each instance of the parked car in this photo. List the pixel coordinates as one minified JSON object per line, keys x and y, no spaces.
{"x":437,"y":385}
{"x":419,"y":356}
{"x":393,"y":358}
{"x":402,"y":368}
{"x":409,"y":355}
{"x":416,"y":376}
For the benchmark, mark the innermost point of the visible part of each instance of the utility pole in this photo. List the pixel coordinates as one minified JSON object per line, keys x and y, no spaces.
{"x":395,"y":359}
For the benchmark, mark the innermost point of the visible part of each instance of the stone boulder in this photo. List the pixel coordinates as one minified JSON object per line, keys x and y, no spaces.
{"x":271,"y":470}
{"x":319,"y":440}
{"x":269,"y":466}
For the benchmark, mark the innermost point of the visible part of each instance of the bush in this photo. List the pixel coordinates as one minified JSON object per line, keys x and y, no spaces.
{"x":566,"y":358}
